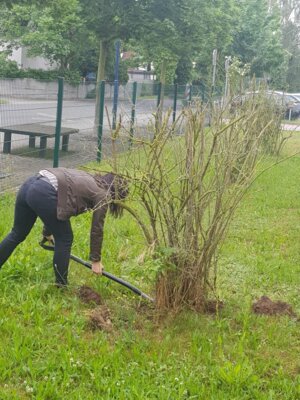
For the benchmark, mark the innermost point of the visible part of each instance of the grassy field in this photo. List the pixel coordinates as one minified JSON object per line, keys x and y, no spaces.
{"x":49,"y":350}
{"x":291,"y":122}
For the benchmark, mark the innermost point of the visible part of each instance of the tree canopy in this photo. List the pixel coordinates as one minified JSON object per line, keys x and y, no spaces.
{"x":257,"y":40}
{"x":42,"y":32}
{"x":177,"y":35}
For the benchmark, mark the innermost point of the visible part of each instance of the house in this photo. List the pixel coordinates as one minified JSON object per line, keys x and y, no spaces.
{"x":137,"y":75}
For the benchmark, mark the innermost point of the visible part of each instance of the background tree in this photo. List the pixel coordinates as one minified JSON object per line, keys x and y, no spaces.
{"x":162,"y":37}
{"x":10,"y":3}
{"x":290,"y":20}
{"x":43,"y":33}
{"x":110,"y":68}
{"x":184,"y":35}
{"x":108,"y":21}
{"x":176,"y":37}
{"x":215,"y":23}
{"x":258,"y":40}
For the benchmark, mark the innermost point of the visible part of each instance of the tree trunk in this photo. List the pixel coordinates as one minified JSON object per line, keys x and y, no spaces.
{"x":163,"y":82}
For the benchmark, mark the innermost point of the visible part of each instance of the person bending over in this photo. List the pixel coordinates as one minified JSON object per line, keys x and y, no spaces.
{"x":55,"y":195}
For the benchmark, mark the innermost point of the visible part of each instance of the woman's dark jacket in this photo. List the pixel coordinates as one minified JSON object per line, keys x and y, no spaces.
{"x":78,"y":192}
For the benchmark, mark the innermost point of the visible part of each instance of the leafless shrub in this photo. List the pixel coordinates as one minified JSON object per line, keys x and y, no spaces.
{"x":269,"y":113}
{"x":187,"y":188}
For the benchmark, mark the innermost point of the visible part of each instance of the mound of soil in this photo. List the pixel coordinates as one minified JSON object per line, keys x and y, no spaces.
{"x":100,"y":319}
{"x":268,"y":307}
{"x":88,"y":295}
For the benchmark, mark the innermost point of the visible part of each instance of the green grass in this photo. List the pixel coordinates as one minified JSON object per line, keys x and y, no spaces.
{"x":291,"y":122}
{"x":48,"y":350}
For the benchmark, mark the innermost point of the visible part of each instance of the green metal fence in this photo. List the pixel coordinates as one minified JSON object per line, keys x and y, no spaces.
{"x":71,"y":127}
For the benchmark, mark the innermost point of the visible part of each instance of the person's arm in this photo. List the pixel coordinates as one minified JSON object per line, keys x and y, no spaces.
{"x":96,"y":238}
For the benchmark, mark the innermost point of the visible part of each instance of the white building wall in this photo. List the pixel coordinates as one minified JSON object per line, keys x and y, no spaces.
{"x":36,"y":62}
{"x":16,"y":56}
{"x":24,"y":61}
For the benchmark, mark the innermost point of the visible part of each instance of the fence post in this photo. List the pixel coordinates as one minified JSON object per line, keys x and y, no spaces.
{"x":58,"y":121}
{"x":116,"y":84}
{"x":158,"y":114}
{"x":134,"y":91}
{"x":100,"y":122}
{"x":202,"y":92}
{"x":187,"y":95}
{"x":190,"y":95}
{"x":175,"y":101}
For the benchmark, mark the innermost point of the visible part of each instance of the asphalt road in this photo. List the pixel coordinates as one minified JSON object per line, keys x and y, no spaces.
{"x":23,"y":161}
{"x":76,"y":114}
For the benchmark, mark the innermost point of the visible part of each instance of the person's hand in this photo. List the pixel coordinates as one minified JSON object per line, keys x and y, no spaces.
{"x":50,"y":238}
{"x":97,"y":267}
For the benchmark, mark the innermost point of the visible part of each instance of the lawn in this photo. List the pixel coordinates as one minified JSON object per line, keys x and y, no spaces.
{"x":291,"y":122}
{"x":50,"y":351}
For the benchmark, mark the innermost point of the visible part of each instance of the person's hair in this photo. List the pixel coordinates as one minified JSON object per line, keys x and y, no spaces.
{"x":118,"y":190}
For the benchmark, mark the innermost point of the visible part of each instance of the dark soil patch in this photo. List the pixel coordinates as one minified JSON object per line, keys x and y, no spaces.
{"x":100,"y":319}
{"x":88,"y":295}
{"x":146,"y":311}
{"x":268,"y":307}
{"x":145,"y":307}
{"x":213,"y":306}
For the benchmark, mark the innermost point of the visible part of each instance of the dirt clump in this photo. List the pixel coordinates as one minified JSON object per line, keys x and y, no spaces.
{"x":213,"y":306}
{"x":145,"y":307}
{"x":88,"y":295}
{"x":268,"y":307}
{"x":100,"y":318}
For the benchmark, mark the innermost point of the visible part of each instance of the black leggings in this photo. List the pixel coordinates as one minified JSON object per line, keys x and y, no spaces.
{"x":38,"y":198}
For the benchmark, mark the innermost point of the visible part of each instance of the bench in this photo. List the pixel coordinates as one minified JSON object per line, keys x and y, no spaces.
{"x":34,"y":131}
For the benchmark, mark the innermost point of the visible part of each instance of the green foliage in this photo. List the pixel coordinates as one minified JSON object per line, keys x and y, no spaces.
{"x":171,"y":34}
{"x":108,"y":21}
{"x":72,"y":77}
{"x":258,"y":40}
{"x":183,"y":71}
{"x":291,"y":44}
{"x":69,"y":33}
{"x":222,"y":16}
{"x":116,"y":19}
{"x":123,"y":66}
{"x":42,"y":32}
{"x":171,"y":63}
{"x":10,"y":3}
{"x":8,"y":69}
{"x":161,"y":41}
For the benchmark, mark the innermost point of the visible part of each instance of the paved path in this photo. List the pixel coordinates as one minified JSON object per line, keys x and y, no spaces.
{"x":290,"y":127}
